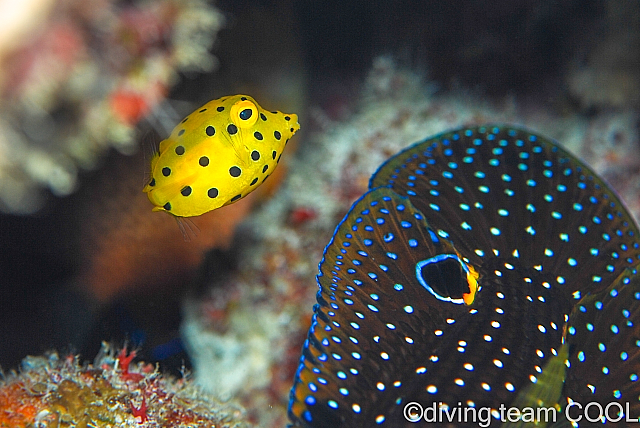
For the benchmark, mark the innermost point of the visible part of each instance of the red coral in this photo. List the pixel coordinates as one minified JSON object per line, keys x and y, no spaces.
{"x":123,"y":361}
{"x":141,"y":411}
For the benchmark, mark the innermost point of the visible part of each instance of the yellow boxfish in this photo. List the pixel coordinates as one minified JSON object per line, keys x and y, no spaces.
{"x":217,"y":155}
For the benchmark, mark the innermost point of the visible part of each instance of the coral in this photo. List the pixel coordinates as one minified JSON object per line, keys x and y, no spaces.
{"x":262,"y":312}
{"x":51,"y":391}
{"x":80,"y":81}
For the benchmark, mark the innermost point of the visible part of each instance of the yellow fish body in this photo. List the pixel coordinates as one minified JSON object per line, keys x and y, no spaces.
{"x":217,"y":155}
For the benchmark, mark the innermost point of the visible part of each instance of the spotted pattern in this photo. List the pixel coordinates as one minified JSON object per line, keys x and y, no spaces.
{"x":543,"y":235}
{"x":238,"y":134}
{"x":604,"y":330}
{"x":497,"y":189}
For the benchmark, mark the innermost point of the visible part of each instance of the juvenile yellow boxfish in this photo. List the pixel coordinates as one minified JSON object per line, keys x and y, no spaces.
{"x":217,"y":155}
{"x":485,"y":268}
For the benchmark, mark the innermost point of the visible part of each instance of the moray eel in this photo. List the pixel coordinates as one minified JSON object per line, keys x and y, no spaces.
{"x":485,"y":267}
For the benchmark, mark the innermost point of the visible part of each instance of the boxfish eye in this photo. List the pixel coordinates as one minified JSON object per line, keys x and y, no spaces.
{"x":244,"y":113}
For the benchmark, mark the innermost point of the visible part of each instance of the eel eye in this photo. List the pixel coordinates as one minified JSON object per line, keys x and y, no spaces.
{"x":448,"y":278}
{"x":244,"y":113}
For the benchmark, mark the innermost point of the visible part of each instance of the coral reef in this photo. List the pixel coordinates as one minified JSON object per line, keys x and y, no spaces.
{"x":79,"y":82}
{"x":262,"y":311}
{"x":55,"y":391}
